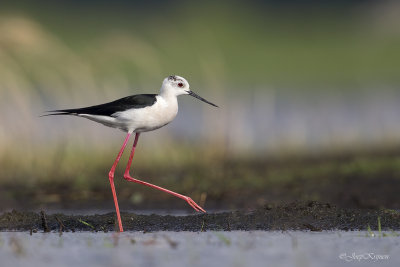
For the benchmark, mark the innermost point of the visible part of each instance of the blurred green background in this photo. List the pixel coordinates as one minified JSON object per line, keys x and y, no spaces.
{"x":308,"y":94}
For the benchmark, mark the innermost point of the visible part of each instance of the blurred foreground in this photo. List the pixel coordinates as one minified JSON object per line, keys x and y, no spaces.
{"x":235,"y":248}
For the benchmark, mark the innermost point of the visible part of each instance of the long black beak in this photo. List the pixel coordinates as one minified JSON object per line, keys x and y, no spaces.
{"x":202,"y":99}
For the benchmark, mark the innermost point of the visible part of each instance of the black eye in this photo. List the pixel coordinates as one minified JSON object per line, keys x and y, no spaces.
{"x":180,"y":85}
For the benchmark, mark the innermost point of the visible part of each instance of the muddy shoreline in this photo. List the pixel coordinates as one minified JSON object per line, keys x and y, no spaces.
{"x":313,"y":216}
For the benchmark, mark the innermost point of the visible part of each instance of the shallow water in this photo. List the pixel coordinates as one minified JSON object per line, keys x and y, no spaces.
{"x":236,"y":248}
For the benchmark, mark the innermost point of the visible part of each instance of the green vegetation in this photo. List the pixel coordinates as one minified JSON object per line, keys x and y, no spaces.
{"x":86,"y":223}
{"x":351,"y":180}
{"x":237,"y":46}
{"x":370,"y":233}
{"x":223,"y":238}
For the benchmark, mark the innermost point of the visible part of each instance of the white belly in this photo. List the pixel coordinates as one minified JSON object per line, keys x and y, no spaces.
{"x":141,"y":119}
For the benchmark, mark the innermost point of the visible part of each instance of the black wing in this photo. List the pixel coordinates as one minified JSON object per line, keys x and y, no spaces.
{"x":107,"y":109}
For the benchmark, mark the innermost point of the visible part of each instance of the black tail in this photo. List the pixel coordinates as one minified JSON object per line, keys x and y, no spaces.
{"x":61,"y":112}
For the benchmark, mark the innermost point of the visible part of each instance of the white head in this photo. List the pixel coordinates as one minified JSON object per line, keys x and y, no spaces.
{"x":177,"y":85}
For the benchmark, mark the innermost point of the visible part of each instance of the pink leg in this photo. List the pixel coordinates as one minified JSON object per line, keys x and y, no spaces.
{"x":111,"y":178}
{"x":130,"y":179}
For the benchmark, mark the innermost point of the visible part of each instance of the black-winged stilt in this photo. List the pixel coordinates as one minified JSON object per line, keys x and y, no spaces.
{"x":137,"y":114}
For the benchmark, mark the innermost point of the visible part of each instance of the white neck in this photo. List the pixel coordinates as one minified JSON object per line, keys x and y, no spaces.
{"x":169,"y":97}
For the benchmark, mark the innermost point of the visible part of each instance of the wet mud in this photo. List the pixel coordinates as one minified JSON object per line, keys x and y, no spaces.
{"x":312,"y":216}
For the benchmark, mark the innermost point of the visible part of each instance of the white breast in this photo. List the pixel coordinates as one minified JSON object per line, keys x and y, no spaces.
{"x":162,"y":112}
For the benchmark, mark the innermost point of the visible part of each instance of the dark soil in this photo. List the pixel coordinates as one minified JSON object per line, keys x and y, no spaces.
{"x":313,"y":216}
